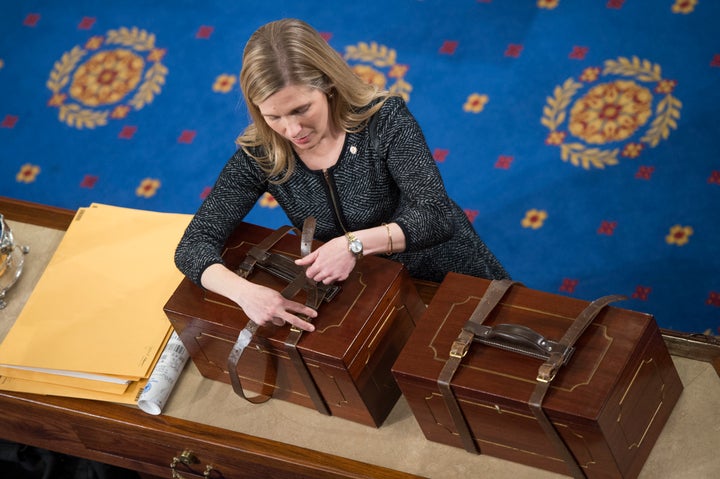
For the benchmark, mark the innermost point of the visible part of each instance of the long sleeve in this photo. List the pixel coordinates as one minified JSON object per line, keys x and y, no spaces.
{"x":236,"y":191}
{"x":381,"y":176}
{"x":424,"y":211}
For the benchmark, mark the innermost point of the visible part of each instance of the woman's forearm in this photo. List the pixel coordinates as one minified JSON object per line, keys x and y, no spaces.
{"x":219,"y":279}
{"x":384,"y":239}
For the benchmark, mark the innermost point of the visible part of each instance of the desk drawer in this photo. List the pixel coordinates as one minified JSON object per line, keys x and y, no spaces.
{"x":184,"y":456}
{"x":127,"y":437}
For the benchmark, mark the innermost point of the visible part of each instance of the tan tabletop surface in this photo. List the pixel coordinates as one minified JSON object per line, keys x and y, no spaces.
{"x":687,"y":448}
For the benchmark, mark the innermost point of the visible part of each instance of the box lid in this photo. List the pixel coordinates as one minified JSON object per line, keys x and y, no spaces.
{"x":489,"y":374}
{"x":344,"y":326}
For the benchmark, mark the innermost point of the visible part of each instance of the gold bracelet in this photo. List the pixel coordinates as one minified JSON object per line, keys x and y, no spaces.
{"x":390,"y":243}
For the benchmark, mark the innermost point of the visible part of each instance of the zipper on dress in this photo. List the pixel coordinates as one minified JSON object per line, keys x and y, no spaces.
{"x":333,"y":200}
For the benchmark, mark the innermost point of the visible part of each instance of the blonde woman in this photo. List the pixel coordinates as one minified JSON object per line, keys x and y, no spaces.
{"x":326,"y":144}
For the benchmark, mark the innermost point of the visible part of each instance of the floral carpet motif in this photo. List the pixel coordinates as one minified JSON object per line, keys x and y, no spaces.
{"x":580,"y":137}
{"x":102,"y":82}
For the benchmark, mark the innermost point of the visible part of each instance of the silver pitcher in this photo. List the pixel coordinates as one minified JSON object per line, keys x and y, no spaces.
{"x":11,"y":260}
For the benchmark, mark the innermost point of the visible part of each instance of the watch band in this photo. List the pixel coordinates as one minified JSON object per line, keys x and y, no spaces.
{"x":351,"y":240}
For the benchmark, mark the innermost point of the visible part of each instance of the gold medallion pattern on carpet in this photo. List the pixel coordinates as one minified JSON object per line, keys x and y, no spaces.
{"x":107,"y":78}
{"x":611,"y":113}
{"x":376,"y":64}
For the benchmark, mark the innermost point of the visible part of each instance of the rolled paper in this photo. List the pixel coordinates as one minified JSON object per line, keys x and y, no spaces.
{"x":164,"y":376}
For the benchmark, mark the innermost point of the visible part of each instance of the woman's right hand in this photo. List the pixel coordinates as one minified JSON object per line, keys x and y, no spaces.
{"x":264,"y":305}
{"x":261,"y":304}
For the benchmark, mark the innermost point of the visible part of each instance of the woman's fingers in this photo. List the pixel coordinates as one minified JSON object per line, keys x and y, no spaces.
{"x":294,"y":320}
{"x":265,"y":305}
{"x":329,"y":263}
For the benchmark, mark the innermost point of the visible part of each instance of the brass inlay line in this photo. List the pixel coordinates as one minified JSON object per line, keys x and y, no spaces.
{"x":632,"y":381}
{"x":501,"y":303}
{"x":332,"y":378}
{"x":227,"y":305}
{"x":594,"y":369}
{"x":442,"y":324}
{"x":377,"y":331}
{"x":517,"y":449}
{"x":203,"y":333}
{"x":486,"y":441}
{"x":361,"y":281}
{"x":587,"y":464}
{"x":657,"y":409}
{"x":231,"y":305}
{"x":652,"y":420}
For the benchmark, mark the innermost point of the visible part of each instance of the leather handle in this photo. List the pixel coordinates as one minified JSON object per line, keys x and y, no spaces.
{"x":518,"y":334}
{"x":520,"y":339}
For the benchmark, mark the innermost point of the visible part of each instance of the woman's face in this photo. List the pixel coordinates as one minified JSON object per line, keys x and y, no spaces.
{"x":300,"y":114}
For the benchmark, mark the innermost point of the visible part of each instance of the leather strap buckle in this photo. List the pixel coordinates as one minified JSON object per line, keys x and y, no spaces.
{"x":549,"y":369}
{"x":244,"y":270}
{"x":459,"y":349}
{"x":547,"y":372}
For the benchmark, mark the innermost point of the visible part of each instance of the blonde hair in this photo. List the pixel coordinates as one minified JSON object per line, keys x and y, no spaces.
{"x":290,"y":52}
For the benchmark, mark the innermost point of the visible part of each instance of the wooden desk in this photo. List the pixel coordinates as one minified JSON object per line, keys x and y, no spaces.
{"x":127,"y":437}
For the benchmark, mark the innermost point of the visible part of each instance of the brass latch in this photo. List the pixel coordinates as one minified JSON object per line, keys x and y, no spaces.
{"x":187,"y":459}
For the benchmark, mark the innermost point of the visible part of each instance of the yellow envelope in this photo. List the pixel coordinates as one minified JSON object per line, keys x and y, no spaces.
{"x":98,"y":307}
{"x":25,"y":386}
{"x":105,"y":383}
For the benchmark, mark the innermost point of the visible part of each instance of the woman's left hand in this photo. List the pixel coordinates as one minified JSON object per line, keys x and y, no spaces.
{"x":330,"y":262}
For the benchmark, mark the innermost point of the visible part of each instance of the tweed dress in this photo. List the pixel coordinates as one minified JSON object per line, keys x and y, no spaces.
{"x":383,"y":177}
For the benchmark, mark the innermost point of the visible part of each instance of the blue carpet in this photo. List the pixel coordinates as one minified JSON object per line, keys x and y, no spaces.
{"x":581,"y":137}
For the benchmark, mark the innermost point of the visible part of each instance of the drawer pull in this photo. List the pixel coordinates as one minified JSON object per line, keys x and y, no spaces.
{"x":187,"y":459}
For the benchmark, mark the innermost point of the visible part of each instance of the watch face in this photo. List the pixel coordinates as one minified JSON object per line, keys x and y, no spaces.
{"x":356,"y":247}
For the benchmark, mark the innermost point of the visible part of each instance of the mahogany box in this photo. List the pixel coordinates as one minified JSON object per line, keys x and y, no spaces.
{"x":358,"y":336}
{"x":608,"y":403}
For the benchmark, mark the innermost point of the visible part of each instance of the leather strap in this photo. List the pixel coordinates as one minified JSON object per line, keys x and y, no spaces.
{"x":256,"y":256}
{"x":312,"y":300}
{"x":242,"y":342}
{"x":284,"y":267}
{"x":259,"y":252}
{"x":256,"y":253}
{"x":548,"y":371}
{"x":459,"y":349}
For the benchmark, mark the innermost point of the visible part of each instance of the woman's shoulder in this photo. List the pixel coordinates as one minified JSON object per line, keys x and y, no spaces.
{"x":392,"y":104}
{"x":243,"y":160}
{"x":394,"y":114}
